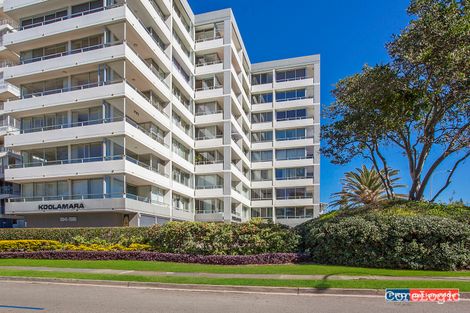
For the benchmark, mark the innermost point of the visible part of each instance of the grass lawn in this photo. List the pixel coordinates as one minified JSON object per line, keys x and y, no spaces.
{"x":372,"y":284}
{"x":292,"y":269}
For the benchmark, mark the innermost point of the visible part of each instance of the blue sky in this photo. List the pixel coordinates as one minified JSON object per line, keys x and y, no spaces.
{"x":347,"y":35}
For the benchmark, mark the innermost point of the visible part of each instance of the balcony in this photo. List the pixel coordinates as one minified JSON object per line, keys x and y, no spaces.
{"x":66,"y":133}
{"x":69,"y":16}
{"x":88,"y":56}
{"x":125,"y":202}
{"x":209,"y":141}
{"x":210,"y":37}
{"x":209,"y":191}
{"x":209,"y":92}
{"x":291,"y":102}
{"x":294,"y":181}
{"x":81,"y":167}
{"x":214,"y":216}
{"x":183,"y":26}
{"x":8,"y":91}
{"x":209,"y":67}
{"x":68,"y":22}
{"x":209,"y":166}
{"x":8,"y":125}
{"x":209,"y":117}
{"x":292,"y":142}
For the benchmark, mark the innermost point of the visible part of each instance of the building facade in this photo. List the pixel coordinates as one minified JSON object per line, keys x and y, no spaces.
{"x":140,"y":112}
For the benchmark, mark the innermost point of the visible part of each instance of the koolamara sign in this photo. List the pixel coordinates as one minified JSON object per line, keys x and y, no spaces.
{"x":61,"y":206}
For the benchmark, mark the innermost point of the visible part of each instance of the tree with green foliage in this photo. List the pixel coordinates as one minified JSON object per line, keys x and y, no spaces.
{"x":364,"y":187}
{"x":418,"y":104}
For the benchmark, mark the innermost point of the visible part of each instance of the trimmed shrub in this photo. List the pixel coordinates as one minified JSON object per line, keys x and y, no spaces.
{"x":105,"y":247}
{"x":29,"y":245}
{"x":456,"y":211}
{"x":254,"y":237}
{"x":375,"y":240}
{"x":267,"y":258}
{"x":110,"y":235}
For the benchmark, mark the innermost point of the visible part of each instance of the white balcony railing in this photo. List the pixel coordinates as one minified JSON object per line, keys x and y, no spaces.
{"x":89,"y":197}
{"x":69,"y":16}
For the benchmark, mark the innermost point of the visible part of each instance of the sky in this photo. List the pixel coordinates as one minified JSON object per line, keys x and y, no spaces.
{"x":347,"y":34}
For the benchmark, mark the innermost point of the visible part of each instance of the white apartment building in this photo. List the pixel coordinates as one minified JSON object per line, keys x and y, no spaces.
{"x":139,"y":112}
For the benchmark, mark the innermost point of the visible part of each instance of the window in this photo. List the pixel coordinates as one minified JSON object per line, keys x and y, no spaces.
{"x":181,"y":123}
{"x":290,"y":154}
{"x":181,"y":150}
{"x":291,"y":75}
{"x":261,"y":175}
{"x":182,"y":45}
{"x":210,"y":32}
{"x":290,"y":95}
{"x":262,"y":156}
{"x":44,"y":87}
{"x":183,"y":99}
{"x":293,"y":173}
{"x":43,"y":122}
{"x":208,"y":59}
{"x":95,"y":188}
{"x":294,"y":212}
{"x":183,"y":18}
{"x":79,"y":188}
{"x":181,"y":177}
{"x":262,"y":98}
{"x":88,"y":152}
{"x":290,"y":134}
{"x":262,"y":136}
{"x":181,"y":203}
{"x":43,"y":53}
{"x":208,"y":108}
{"x":263,"y":117}
{"x":211,"y":132}
{"x":263,"y":78}
{"x":86,"y":8}
{"x":87,"y":116}
{"x":209,"y":157}
{"x":209,"y":206}
{"x":44,"y":19}
{"x":291,"y":115}
{"x":261,"y":194}
{"x":262,"y":212}
{"x":292,"y":193}
{"x":156,"y":38}
{"x":208,"y":83}
{"x":51,"y":190}
{"x":87,"y":42}
{"x":208,"y":182}
{"x":46,"y":156}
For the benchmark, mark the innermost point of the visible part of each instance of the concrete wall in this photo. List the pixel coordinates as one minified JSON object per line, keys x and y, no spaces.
{"x":83,"y":220}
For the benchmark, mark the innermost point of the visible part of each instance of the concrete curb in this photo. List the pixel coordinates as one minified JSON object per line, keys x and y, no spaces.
{"x":213,"y":288}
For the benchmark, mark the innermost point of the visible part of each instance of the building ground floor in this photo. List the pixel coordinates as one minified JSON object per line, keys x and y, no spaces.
{"x":129,"y":210}
{"x":98,"y":219}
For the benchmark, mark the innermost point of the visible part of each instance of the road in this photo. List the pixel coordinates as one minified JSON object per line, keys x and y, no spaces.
{"x":25,"y":297}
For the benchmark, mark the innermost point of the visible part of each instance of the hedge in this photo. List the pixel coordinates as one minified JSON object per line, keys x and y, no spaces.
{"x":266,"y":258}
{"x":254,"y":237}
{"x":112,"y":235}
{"x":29,"y":245}
{"x":371,"y":240}
{"x":52,"y":245}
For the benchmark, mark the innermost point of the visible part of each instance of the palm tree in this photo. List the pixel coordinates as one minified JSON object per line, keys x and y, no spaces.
{"x":363,"y":186}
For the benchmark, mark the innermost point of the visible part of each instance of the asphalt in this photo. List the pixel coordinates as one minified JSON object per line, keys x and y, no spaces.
{"x":216,"y":275}
{"x":17,"y":296}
